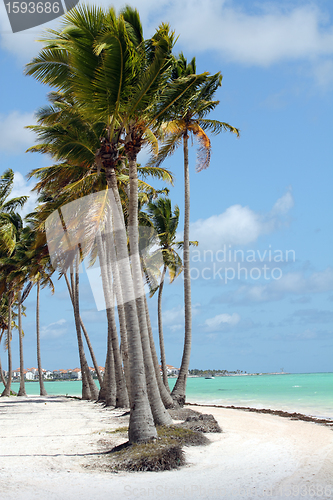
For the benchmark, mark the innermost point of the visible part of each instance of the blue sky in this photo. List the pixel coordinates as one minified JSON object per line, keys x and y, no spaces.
{"x":267,"y":194}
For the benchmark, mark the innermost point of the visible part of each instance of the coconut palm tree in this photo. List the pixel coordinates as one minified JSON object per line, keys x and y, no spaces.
{"x":10,"y":230}
{"x":40,"y":272}
{"x":3,"y":328}
{"x":26,"y":266}
{"x":124,"y":82}
{"x":188,"y":117}
{"x":64,"y":130}
{"x":165,"y":223}
{"x":15,"y":275}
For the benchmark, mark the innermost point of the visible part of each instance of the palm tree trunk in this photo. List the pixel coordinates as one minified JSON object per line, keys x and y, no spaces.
{"x":141,"y":424}
{"x":108,"y":391}
{"x":114,"y":270}
{"x":22,"y":391}
{"x":86,"y":392}
{"x":91,"y":351}
{"x":93,"y":387}
{"x":160,"y":414}
{"x":160,"y":330}
{"x":122,"y":397}
{"x":6,"y":391}
{"x":1,"y":372}
{"x":165,"y":394}
{"x":42,"y":390}
{"x":179,"y":389}
{"x":1,"y":375}
{"x":92,"y":354}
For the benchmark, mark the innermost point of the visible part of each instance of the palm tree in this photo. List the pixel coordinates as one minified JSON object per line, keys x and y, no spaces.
{"x":10,"y":230}
{"x":64,"y":130}
{"x":15,"y":275}
{"x":189,"y":117}
{"x":165,"y":223}
{"x":3,"y":327}
{"x":122,"y":81}
{"x":42,"y":390}
{"x":140,"y":428}
{"x":28,"y":265}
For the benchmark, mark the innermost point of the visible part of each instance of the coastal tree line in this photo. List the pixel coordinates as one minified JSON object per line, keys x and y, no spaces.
{"x":112,"y":92}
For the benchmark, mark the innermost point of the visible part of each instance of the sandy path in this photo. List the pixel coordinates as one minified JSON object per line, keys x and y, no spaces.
{"x":49,"y":445}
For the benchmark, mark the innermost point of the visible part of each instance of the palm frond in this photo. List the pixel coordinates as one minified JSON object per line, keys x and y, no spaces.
{"x":216,"y":126}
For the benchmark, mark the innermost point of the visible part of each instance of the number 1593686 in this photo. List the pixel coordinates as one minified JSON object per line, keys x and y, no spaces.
{"x":33,"y":7}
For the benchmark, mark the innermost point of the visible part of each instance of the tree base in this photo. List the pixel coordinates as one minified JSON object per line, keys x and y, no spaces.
{"x":179,"y":399}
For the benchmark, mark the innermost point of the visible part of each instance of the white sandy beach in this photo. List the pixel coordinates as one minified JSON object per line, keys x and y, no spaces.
{"x":50,"y":450}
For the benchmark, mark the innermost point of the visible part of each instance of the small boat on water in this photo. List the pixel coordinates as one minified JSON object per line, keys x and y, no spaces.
{"x":209,"y":377}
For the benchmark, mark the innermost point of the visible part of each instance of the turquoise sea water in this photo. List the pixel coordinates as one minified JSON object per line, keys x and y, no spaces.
{"x":311,"y":394}
{"x":308,"y":393}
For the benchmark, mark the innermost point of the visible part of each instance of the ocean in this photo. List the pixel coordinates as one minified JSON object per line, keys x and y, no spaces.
{"x":308,"y":393}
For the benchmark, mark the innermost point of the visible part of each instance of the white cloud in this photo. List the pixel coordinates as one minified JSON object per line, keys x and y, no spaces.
{"x":14,"y":138}
{"x":270,"y":33}
{"x":283,"y":204}
{"x":220,"y":321}
{"x":239,"y":225}
{"x":22,"y":188}
{"x":174,"y":318}
{"x":56,"y":329}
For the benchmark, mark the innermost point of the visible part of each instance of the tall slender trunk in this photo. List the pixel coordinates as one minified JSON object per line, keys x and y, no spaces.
{"x":160,"y":330}
{"x":22,"y":391}
{"x":1,"y":372}
{"x":91,"y":351}
{"x":160,"y":414}
{"x":122,"y":397}
{"x":93,"y":387}
{"x":141,"y":424}
{"x":114,"y":270}
{"x":108,"y":391}
{"x":2,"y":378}
{"x":6,"y":391}
{"x":179,"y":389}
{"x":86,"y":387}
{"x":165,"y":394}
{"x":93,"y":390}
{"x":42,"y":390}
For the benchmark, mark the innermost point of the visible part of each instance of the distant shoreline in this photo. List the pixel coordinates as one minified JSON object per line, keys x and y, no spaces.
{"x":237,"y":374}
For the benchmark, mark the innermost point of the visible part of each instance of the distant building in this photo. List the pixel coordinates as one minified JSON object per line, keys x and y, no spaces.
{"x":62,"y":374}
{"x":76,"y":374}
{"x":171,"y":370}
{"x":47,"y":375}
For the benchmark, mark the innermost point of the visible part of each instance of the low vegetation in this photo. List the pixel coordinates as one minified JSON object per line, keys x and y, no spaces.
{"x":164,"y":453}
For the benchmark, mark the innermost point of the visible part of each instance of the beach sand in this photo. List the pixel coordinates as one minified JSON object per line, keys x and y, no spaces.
{"x":53,"y":448}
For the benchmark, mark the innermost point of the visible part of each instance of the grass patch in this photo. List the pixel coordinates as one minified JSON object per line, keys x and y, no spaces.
{"x":120,"y":430}
{"x":163,"y":453}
